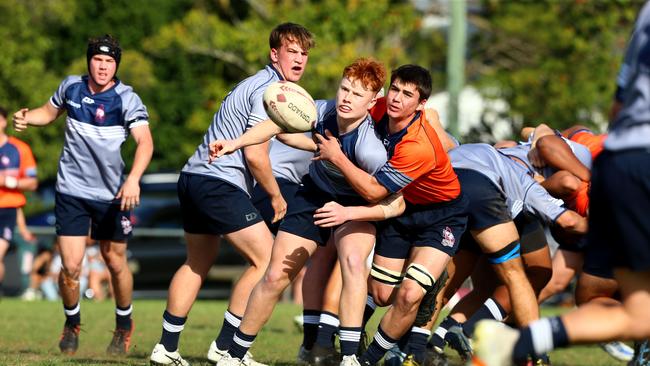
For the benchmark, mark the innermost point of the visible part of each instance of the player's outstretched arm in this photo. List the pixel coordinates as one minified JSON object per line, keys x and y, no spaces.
{"x":333,"y":214}
{"x":260,"y":133}
{"x":40,"y":116}
{"x":298,"y":141}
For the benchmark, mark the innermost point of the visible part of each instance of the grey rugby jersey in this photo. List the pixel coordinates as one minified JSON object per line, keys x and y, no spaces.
{"x":91,"y":166}
{"x":521,"y":190}
{"x":289,"y":163}
{"x":631,"y":128}
{"x":362,"y":146}
{"x":241,"y":109}
{"x":521,"y":152}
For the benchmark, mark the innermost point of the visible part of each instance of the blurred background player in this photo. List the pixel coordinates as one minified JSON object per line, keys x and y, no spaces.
{"x":17,"y":174}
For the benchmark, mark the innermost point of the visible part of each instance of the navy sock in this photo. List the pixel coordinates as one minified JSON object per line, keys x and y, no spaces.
{"x":539,"y":338}
{"x":310,"y":320}
{"x":349,"y":338}
{"x":72,"y":315}
{"x":230,"y":324}
{"x":327,"y":328}
{"x":241,"y":344}
{"x":417,"y":345}
{"x":368,"y":311}
{"x":489,"y":310}
{"x":172,"y":327}
{"x":381,"y":343}
{"x":438,"y":338}
{"x":123,"y":317}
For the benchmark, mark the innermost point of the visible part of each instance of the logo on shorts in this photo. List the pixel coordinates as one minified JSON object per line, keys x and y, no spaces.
{"x":5,"y":160}
{"x":448,"y":239}
{"x":126,"y":225}
{"x":251,"y":216}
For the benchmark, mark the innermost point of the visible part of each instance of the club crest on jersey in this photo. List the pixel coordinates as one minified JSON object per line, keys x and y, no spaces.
{"x":448,"y":239}
{"x":126,"y":225}
{"x":100,"y":114}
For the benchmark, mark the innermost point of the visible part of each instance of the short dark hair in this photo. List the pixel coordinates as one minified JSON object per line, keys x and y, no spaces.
{"x":291,"y":32}
{"x":3,"y":112}
{"x":416,"y":75}
{"x":104,"y":45}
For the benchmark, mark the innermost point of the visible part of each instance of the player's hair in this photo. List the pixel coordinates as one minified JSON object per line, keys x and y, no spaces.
{"x":3,"y":112}
{"x":416,"y":75}
{"x":291,"y":32}
{"x":371,"y":73}
{"x":104,"y":45}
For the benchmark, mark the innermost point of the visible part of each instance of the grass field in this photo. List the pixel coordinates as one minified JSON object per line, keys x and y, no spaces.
{"x":29,"y":334}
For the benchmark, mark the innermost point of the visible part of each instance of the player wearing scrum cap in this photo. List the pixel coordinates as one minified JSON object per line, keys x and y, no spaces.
{"x":91,"y":193}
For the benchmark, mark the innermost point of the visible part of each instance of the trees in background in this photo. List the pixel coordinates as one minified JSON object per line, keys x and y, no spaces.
{"x":553,"y":62}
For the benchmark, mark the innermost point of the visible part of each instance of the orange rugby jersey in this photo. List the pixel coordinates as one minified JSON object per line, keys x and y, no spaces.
{"x":592,"y":141}
{"x":417,"y":163}
{"x":16,"y":160}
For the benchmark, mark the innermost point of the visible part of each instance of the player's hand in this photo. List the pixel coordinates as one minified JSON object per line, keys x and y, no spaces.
{"x":329,"y":147}
{"x":331,"y":214}
{"x":279,"y":207}
{"x":20,"y":124}
{"x":27,"y":235}
{"x":129,"y":194}
{"x":535,"y":158}
{"x":220,"y":148}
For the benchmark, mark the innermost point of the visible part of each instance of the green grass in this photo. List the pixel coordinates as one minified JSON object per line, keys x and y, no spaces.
{"x":29,"y":333}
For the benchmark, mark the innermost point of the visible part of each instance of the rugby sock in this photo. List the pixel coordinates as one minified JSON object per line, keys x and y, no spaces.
{"x":368,"y":311}
{"x":381,"y":343}
{"x":228,"y":329}
{"x":123,"y":317}
{"x":489,"y":310}
{"x":310,"y":319}
{"x":539,"y":338}
{"x":241,"y":343}
{"x":72,"y":315}
{"x":437,"y":340}
{"x":349,"y":338}
{"x":417,"y":345}
{"x":172,"y":327}
{"x":327,"y":327}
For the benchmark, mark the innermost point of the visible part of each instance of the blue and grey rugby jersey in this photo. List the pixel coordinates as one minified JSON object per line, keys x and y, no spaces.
{"x":242,"y":109}
{"x":289,"y":163}
{"x":631,"y":128}
{"x":91,"y":166}
{"x":362,"y":146}
{"x":522,"y":192}
{"x":521,"y":152}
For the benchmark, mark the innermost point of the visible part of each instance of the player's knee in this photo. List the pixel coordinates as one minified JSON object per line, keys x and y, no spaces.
{"x":70,"y":276}
{"x":383,"y":284}
{"x":71,"y":269}
{"x":355,"y":264}
{"x":409,"y":297}
{"x":275,"y":280}
{"x":570,"y":183}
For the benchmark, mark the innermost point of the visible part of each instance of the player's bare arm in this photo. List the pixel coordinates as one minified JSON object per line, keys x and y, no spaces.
{"x":40,"y":116}
{"x":260,"y":133}
{"x":298,"y":141}
{"x":333,"y":214}
{"x":129,"y":193}
{"x":433,"y":118}
{"x":365,"y":184}
{"x":572,"y":222}
{"x":257,"y":159}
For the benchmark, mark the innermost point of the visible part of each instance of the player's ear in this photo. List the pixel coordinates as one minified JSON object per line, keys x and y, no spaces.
{"x":273,"y":54}
{"x":421,"y":105}
{"x":373,"y":101}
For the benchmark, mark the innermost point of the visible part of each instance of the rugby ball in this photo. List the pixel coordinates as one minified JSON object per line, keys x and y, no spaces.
{"x":290,"y":106}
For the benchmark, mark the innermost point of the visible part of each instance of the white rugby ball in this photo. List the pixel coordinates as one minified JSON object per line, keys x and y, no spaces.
{"x":290,"y":106}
